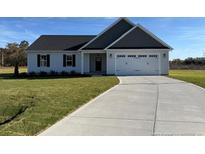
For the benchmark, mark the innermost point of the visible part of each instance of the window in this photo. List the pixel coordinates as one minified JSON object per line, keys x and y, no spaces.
{"x":68,"y":60}
{"x":120,"y":56}
{"x":133,"y":56}
{"x":153,"y":56}
{"x":142,"y":56}
{"x":43,"y":60}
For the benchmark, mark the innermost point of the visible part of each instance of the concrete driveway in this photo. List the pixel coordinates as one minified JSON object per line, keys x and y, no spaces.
{"x":139,"y":105}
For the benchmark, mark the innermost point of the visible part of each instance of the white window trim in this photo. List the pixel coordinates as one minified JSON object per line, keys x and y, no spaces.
{"x":71,"y":60}
{"x":43,"y":61}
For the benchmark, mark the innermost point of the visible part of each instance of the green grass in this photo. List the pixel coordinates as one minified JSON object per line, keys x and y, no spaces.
{"x":45,"y":101}
{"x":193,"y":76}
{"x":10,"y":70}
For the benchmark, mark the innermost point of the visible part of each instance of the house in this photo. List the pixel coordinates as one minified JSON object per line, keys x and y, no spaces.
{"x":121,"y":49}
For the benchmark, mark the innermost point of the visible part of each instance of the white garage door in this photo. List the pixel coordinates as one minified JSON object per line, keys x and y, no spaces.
{"x":133,"y":64}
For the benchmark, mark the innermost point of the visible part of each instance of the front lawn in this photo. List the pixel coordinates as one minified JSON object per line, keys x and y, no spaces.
{"x":194,"y":76}
{"x":28,"y":106}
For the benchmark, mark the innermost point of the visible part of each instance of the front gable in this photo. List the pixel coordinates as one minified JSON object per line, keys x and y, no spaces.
{"x":109,"y":35}
{"x":138,"y":38}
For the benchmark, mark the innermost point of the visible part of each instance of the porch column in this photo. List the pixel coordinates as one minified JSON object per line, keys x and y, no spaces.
{"x":82,"y":62}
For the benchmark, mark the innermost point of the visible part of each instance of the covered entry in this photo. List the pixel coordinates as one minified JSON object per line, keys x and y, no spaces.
{"x":94,"y":63}
{"x":97,"y":63}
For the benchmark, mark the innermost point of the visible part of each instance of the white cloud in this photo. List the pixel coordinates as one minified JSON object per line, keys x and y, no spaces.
{"x":11,"y":35}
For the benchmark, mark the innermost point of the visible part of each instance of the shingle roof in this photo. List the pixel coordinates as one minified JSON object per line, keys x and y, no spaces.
{"x":120,"y":35}
{"x":138,"y":39}
{"x":110,"y":35}
{"x":60,"y":42}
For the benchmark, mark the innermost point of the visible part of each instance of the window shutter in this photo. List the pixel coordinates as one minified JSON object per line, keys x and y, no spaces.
{"x":48,"y":60}
{"x":38,"y":60}
{"x":64,"y":60}
{"x":73,"y":60}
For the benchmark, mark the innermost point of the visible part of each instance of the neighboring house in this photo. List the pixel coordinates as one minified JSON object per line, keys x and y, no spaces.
{"x":121,"y":49}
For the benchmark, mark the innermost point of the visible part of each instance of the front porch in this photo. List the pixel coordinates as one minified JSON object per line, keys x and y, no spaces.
{"x":93,"y":63}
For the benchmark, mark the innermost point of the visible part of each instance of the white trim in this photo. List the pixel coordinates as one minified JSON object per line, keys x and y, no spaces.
{"x":120,"y":37}
{"x":53,"y":51}
{"x":106,"y":29}
{"x":93,"y":51}
{"x":43,"y":60}
{"x":88,"y":62}
{"x":66,"y":60}
{"x":107,"y":62}
{"x":115,"y":63}
{"x":82,"y":63}
{"x":150,"y":50}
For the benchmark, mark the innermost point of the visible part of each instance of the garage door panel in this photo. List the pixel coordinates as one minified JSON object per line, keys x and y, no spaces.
{"x":128,"y":64}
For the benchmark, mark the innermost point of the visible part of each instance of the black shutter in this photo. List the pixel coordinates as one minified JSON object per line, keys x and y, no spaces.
{"x":48,"y":60}
{"x":73,"y":60}
{"x":64,"y":60}
{"x":38,"y":60}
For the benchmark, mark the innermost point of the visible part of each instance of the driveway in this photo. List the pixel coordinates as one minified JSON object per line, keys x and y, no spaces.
{"x":139,"y":105}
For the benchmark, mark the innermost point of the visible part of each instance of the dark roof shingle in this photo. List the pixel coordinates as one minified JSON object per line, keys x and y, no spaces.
{"x":60,"y":42}
{"x":110,"y":35}
{"x":138,"y":39}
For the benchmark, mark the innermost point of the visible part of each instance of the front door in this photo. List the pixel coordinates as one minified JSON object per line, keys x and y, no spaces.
{"x":98,"y":64}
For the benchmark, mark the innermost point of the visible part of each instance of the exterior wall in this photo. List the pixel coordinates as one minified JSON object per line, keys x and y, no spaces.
{"x":164,"y":61}
{"x":56,"y":62}
{"x":110,"y":62}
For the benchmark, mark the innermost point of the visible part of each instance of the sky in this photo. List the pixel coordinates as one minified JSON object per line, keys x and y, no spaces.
{"x":185,"y":35}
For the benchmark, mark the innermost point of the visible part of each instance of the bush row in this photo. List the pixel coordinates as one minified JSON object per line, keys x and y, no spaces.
{"x":51,"y":73}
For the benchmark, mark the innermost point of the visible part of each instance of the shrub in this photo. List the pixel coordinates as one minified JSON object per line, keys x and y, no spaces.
{"x":73,"y":72}
{"x":24,"y":74}
{"x":42,"y":73}
{"x":53,"y":73}
{"x":32,"y":73}
{"x":64,"y":73}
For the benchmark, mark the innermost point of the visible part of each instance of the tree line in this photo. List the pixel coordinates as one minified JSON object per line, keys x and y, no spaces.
{"x":188,"y":63}
{"x":14,"y":54}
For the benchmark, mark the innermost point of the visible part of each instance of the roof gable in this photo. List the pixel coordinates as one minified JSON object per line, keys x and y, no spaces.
{"x":60,"y":42}
{"x":110,"y":34}
{"x":139,"y":38}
